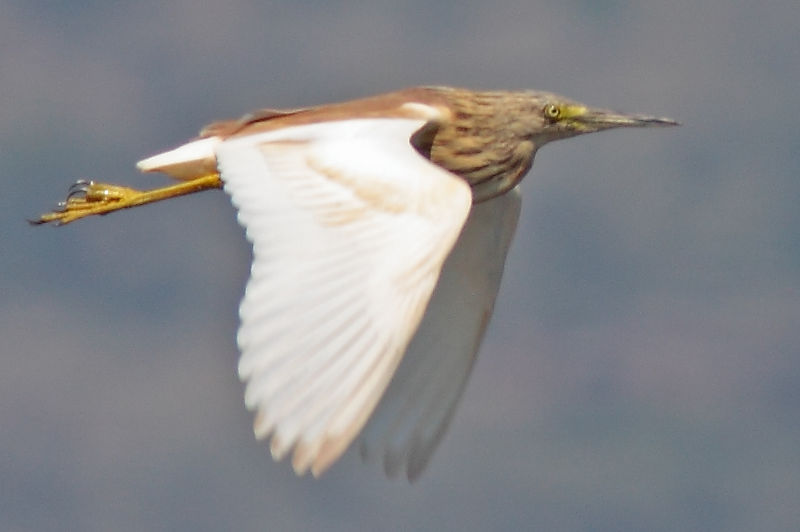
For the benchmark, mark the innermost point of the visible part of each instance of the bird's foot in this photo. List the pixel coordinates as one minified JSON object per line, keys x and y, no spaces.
{"x":87,"y":198}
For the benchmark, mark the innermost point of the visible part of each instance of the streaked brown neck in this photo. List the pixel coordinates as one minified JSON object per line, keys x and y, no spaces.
{"x":486,"y":142}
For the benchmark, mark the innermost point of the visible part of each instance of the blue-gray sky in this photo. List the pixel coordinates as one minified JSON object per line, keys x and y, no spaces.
{"x":642,"y":371}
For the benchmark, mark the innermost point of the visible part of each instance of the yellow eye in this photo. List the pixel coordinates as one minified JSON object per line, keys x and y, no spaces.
{"x":552,"y":111}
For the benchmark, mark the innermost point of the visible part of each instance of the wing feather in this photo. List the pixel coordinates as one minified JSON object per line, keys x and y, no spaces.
{"x":350,"y":226}
{"x":417,"y":407}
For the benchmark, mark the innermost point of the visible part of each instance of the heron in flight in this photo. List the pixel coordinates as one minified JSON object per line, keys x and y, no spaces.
{"x":380,"y":227}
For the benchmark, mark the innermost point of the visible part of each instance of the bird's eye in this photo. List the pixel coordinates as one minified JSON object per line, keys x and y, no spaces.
{"x":552,"y":111}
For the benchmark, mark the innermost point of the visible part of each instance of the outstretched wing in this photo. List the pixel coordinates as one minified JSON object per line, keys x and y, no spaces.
{"x":350,"y":227}
{"x":413,"y":415}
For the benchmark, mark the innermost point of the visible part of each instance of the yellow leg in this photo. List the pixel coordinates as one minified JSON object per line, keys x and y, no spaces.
{"x":87,"y":198}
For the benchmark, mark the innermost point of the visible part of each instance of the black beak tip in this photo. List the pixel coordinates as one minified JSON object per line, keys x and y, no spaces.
{"x":663,"y":122}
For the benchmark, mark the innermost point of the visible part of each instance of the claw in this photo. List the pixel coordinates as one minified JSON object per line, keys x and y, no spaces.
{"x":79,"y":189}
{"x":80,"y":197}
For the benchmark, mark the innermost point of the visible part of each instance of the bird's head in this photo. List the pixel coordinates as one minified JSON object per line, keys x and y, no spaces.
{"x":560,"y":118}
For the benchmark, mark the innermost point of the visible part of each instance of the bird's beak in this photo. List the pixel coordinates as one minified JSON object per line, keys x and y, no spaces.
{"x":599,"y":119}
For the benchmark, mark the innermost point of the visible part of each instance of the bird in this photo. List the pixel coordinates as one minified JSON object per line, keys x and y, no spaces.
{"x":379,"y":229}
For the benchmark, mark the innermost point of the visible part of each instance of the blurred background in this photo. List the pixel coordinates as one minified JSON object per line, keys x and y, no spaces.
{"x":642,"y":370}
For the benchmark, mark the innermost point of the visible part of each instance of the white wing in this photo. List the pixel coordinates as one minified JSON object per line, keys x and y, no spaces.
{"x":413,"y":415}
{"x":350,"y":227}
